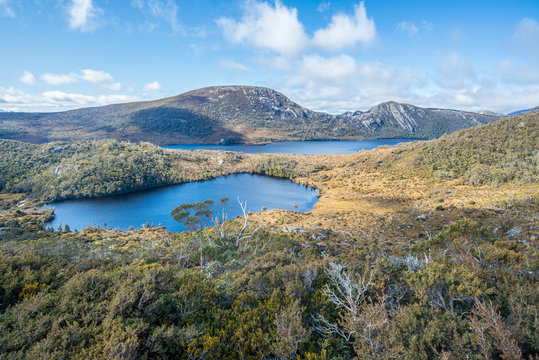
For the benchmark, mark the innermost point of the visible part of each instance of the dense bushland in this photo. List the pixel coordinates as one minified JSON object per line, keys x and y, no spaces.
{"x":465,"y":292}
{"x":61,"y":170}
{"x":489,"y":154}
{"x":396,"y":261}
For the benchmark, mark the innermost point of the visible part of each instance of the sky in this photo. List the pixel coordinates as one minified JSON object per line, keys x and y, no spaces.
{"x":332,"y":56}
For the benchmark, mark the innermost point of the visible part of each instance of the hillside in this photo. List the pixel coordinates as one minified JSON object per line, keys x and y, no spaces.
{"x":232,"y":114}
{"x":398,"y":259}
{"x":62,"y":170}
{"x":509,"y":154}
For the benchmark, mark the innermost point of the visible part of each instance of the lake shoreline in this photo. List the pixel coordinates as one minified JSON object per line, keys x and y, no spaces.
{"x":299,"y":147}
{"x":153,"y":206}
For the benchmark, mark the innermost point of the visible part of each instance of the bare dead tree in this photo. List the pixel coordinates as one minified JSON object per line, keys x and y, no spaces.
{"x":347,"y":294}
{"x":492,"y":333}
{"x":220,"y":220}
{"x":348,"y":289}
{"x":241,"y":237}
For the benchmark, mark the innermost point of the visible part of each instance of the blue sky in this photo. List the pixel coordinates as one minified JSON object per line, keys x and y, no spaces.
{"x":326,"y":55}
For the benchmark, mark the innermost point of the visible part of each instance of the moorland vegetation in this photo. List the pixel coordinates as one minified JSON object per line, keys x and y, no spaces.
{"x":420,"y":251}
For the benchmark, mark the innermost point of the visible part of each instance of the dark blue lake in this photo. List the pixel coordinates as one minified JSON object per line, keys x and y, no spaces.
{"x":298,"y":147}
{"x":154,"y":206}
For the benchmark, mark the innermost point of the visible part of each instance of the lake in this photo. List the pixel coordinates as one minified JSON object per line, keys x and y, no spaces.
{"x":298,"y":147}
{"x":154,"y":206}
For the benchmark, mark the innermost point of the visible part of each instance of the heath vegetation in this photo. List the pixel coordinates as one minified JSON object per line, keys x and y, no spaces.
{"x":421,"y":251}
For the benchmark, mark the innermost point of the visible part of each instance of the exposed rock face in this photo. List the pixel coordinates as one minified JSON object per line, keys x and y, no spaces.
{"x":391,"y":114}
{"x":233,"y":114}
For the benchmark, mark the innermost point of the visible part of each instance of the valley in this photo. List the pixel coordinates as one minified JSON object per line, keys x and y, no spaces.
{"x":269,"y":180}
{"x":441,"y":228}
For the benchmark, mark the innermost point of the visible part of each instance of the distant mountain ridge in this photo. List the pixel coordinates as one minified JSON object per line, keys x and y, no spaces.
{"x":520,"y":112}
{"x":245,"y":114}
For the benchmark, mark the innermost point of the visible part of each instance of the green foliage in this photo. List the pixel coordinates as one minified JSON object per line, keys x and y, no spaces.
{"x":461,"y":235}
{"x":447,"y":285}
{"x":175,"y":120}
{"x":194,"y":215}
{"x":289,"y":330}
{"x":276,"y":166}
{"x":62,"y":171}
{"x":424,"y":333}
{"x":103,"y":293}
{"x":509,"y":154}
{"x":466,"y":291}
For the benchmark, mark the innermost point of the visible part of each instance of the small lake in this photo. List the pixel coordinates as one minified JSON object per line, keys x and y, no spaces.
{"x":154,"y":206}
{"x":298,"y":147}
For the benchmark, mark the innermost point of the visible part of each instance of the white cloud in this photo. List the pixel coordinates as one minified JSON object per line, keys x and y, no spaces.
{"x":499,"y":99}
{"x":331,"y":68}
{"x":272,"y":27}
{"x":114,"y":99}
{"x":72,"y":99}
{"x":339,"y":83}
{"x":114,"y":86}
{"x":323,"y":6}
{"x":95,"y":76}
{"x":27,"y":78}
{"x":514,"y":72}
{"x":407,"y":27}
{"x":345,"y":31}
{"x":166,"y":11}
{"x":381,"y":82}
{"x":83,"y":15}
{"x":63,"y":97}
{"x":154,"y":86}
{"x":342,"y":83}
{"x":455,"y":72}
{"x":16,"y":100}
{"x":6,"y":10}
{"x":322,"y":83}
{"x":277,"y":28}
{"x":427,"y":25}
{"x":526,"y":33}
{"x":60,"y":79}
{"x":233,"y":65}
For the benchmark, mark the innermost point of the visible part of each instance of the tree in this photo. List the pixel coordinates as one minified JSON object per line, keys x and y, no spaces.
{"x":240,"y":236}
{"x":221,"y":217}
{"x":290,"y":331}
{"x":492,"y":333}
{"x":195,"y":217}
{"x":346,"y":292}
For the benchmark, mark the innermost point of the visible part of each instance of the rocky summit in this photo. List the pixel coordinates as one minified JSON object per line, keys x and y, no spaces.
{"x":244,"y":114}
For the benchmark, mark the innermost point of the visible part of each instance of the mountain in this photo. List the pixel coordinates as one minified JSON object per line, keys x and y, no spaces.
{"x":233,"y":114}
{"x":519,"y":112}
{"x":488,"y":112}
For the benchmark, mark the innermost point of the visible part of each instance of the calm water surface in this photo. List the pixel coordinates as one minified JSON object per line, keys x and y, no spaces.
{"x":154,"y":206}
{"x":298,"y":147}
